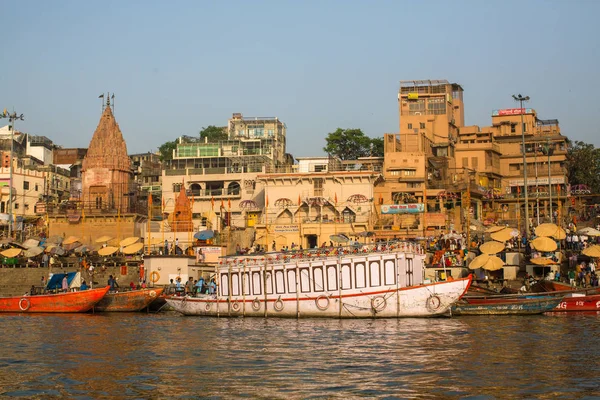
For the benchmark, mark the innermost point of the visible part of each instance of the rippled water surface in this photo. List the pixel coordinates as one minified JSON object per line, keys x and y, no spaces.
{"x":168,"y":356}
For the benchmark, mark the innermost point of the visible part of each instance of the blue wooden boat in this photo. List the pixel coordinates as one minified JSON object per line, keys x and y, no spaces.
{"x":506,"y":306}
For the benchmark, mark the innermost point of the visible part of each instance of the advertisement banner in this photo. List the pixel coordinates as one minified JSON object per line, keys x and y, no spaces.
{"x":285,"y":228}
{"x":403,"y":208}
{"x":511,"y":111}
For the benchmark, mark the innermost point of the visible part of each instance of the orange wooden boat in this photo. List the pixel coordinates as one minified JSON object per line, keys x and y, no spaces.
{"x":128,"y":301}
{"x":69,"y":302}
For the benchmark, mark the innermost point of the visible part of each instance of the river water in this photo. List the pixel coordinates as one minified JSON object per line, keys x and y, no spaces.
{"x":165,"y":355}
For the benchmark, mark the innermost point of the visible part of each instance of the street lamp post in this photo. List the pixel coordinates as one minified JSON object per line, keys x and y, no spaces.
{"x":521,"y":99}
{"x":12,"y":117}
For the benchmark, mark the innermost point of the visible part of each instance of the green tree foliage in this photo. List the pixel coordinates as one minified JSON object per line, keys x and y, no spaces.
{"x":350,"y":144}
{"x":213,"y":133}
{"x":166,"y":150}
{"x":583,"y":165}
{"x":377,"y":147}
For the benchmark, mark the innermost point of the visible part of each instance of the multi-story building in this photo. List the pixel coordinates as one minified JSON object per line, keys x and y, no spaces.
{"x":321,"y":197}
{"x":220,"y":177}
{"x":147,"y":172}
{"x":441,"y":175}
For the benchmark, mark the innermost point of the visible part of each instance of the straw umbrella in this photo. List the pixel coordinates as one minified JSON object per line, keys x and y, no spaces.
{"x":546,"y":230}
{"x":545,"y":244}
{"x":479,"y":261}
{"x":504,"y":235}
{"x":491,"y":247}
{"x":494,"y":263}
{"x":493,"y":229}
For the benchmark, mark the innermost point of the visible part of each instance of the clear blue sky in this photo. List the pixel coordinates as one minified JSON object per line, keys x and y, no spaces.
{"x":177,"y":66}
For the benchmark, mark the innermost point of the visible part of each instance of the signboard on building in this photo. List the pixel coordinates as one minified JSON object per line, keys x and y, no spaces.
{"x":511,"y":111}
{"x":539,"y":181}
{"x":403,"y":208}
{"x":285,"y":228}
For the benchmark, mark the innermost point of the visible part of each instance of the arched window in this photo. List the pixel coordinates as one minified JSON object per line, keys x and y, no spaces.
{"x":195,"y":188}
{"x":233,"y":188}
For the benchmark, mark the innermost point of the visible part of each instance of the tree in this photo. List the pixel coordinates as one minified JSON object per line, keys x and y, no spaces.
{"x":583,"y":165}
{"x":348,"y":144}
{"x":213,"y":133}
{"x":377,"y":147}
{"x":166,"y":150}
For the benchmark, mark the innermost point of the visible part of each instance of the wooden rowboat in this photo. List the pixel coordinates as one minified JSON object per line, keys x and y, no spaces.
{"x":69,"y":302}
{"x":506,"y":306}
{"x":128,"y":301}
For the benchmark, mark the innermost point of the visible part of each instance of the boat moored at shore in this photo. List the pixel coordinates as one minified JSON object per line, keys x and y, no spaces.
{"x":382,"y":282}
{"x":68,"y":302}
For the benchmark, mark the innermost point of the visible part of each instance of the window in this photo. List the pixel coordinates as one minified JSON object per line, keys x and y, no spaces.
{"x":16,"y":206}
{"x":410,"y":172}
{"x":474,"y":162}
{"x":465,"y":162}
{"x":436,"y":106}
{"x":416,"y":107}
{"x":524,"y":127}
{"x":318,"y":187}
{"x":512,"y":128}
{"x":422,"y":125}
{"x":25,"y":185}
{"x":409,"y":126}
{"x":36,"y":187}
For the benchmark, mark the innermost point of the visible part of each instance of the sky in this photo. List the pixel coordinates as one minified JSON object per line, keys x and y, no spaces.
{"x":178,"y":66}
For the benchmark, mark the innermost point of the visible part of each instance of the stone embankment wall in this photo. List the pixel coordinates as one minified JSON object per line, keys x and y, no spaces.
{"x":17,"y":281}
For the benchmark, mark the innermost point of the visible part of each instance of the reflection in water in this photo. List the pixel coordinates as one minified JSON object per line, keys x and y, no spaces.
{"x":166,"y":355}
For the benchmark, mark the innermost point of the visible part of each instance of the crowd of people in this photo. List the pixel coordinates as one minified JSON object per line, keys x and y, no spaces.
{"x":192,"y":287}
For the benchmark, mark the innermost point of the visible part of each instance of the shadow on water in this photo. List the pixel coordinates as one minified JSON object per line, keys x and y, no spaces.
{"x":166,"y":355}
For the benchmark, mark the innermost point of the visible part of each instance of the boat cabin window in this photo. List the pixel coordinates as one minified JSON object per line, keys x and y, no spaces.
{"x":360,"y":274}
{"x":246,"y":284}
{"x":318,"y":279}
{"x":346,"y":276}
{"x":304,"y":280}
{"x":374,"y":270}
{"x":389,"y":268}
{"x":291,"y":280}
{"x":256,"y":283}
{"x":224,"y":285}
{"x":279,"y":281}
{"x":269,"y":283}
{"x":332,"y":277}
{"x":235,"y":284}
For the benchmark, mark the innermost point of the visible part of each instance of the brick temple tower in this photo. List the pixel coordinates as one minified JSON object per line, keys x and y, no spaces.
{"x":106,"y":169}
{"x":182,"y":216}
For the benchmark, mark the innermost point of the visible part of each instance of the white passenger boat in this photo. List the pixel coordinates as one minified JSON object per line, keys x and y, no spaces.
{"x":370,"y":282}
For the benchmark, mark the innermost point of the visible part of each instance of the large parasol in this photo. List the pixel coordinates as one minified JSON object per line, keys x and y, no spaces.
{"x":103,"y":239}
{"x":493,"y":264}
{"x":107,"y":251}
{"x":10,"y":253}
{"x":492,"y":247}
{"x":544,"y":244}
{"x":542,"y":261}
{"x":479,"y":261}
{"x":592,"y":251}
{"x":33,"y":251}
{"x":546,"y":230}
{"x":71,"y":240}
{"x":493,"y":229}
{"x":129,"y":241}
{"x":504,"y":235}
{"x":134,"y":248}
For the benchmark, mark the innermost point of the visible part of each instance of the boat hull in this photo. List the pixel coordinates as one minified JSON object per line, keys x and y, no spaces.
{"x":129,"y":301}
{"x":427,"y":300}
{"x":70,"y":302}
{"x":506,"y":306}
{"x":579,"y":303}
